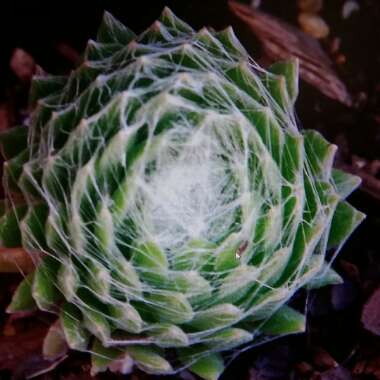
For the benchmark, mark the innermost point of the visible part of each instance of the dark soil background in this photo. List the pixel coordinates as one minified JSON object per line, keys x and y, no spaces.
{"x":342,"y":341}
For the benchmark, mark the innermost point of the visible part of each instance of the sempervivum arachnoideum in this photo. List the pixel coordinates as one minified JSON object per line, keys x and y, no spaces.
{"x":174,"y":203}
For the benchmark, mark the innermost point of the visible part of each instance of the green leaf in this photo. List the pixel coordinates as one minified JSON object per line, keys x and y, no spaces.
{"x":97,"y":323}
{"x":290,"y":71}
{"x":13,"y":141}
{"x":171,"y":21}
{"x":54,"y":344}
{"x":68,"y":280}
{"x":44,"y":289}
{"x":345,"y":220}
{"x":102,"y":357}
{"x":149,"y":360}
{"x":98,"y":51}
{"x":103,"y":230}
{"x":320,"y":153}
{"x":33,"y":227}
{"x":167,"y":335}
{"x":327,"y":276}
{"x":151,"y":262}
{"x":171,"y":307}
{"x":231,"y":43}
{"x":345,"y":183}
{"x":227,"y":259}
{"x":277,"y":87}
{"x":237,"y":283}
{"x":22,"y":299}
{"x":98,"y":279}
{"x":191,"y":284}
{"x":13,"y":169}
{"x":113,"y":31}
{"x":10,"y":228}
{"x":198,"y":255}
{"x":71,"y":320}
{"x":126,"y":280}
{"x":209,"y":367}
{"x":284,"y":321}
{"x":56,"y":230}
{"x":45,"y":85}
{"x":126,"y":317}
{"x":227,"y":339}
{"x":216,"y":316}
{"x":245,"y":78}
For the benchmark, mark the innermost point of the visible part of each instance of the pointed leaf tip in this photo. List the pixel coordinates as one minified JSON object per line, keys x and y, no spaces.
{"x":22,"y":299}
{"x":285,"y":321}
{"x":345,"y":220}
{"x":209,"y":367}
{"x":54,"y":344}
{"x":112,"y":30}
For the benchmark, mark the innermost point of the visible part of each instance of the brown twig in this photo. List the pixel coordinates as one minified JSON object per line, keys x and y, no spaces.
{"x":281,"y":41}
{"x":15,"y":260}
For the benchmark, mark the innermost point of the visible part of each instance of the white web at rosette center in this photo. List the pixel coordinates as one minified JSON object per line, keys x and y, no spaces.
{"x":188,"y":191}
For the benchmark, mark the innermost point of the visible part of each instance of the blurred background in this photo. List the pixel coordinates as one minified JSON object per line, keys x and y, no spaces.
{"x":338,"y":45}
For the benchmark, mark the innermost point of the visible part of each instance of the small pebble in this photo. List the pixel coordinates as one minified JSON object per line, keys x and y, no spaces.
{"x":255,"y":3}
{"x":349,"y":7}
{"x":361,"y":99}
{"x":340,"y":59}
{"x":313,"y":25}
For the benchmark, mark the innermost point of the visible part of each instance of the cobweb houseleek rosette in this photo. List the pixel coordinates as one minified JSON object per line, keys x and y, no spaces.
{"x":176,"y":205}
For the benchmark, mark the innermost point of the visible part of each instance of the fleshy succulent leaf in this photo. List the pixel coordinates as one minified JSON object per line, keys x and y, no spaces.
{"x":149,"y":360}
{"x":13,"y":141}
{"x":22,"y":299}
{"x":76,"y":335}
{"x":9,"y":226}
{"x":288,"y":69}
{"x":44,"y":86}
{"x":209,"y":367}
{"x":166,"y":335}
{"x":54,"y":344}
{"x":284,"y":321}
{"x":320,"y":153}
{"x":328,"y":276}
{"x":44,"y":288}
{"x":345,"y":183}
{"x":345,"y":220}
{"x":102,"y":357}
{"x":113,"y":31}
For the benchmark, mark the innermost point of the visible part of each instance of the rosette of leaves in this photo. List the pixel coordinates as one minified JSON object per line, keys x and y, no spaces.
{"x":173,"y":204}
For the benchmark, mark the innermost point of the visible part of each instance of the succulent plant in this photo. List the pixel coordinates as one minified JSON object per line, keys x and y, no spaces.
{"x":171,"y":204}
